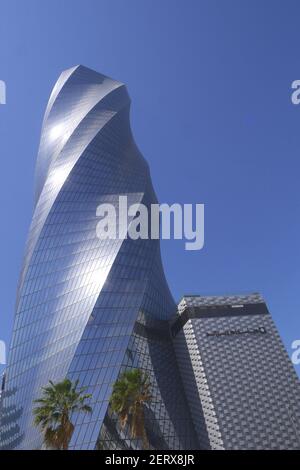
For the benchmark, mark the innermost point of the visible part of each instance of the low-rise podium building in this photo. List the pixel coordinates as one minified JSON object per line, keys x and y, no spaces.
{"x":241,"y":386}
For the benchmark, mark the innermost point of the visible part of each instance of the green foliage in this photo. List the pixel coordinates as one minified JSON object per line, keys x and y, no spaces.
{"x":130,"y":393}
{"x":54,"y":412}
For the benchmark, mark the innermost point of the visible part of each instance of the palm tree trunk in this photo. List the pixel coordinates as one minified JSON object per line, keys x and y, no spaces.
{"x":68,"y":429}
{"x":145,"y":440}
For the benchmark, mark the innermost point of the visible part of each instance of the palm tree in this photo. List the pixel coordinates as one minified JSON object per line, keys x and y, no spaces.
{"x":53,"y":415}
{"x":130,"y":393}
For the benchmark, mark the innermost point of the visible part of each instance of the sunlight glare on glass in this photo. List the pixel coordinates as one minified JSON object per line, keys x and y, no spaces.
{"x":97,"y":278}
{"x":56,"y":131}
{"x":59,"y":175}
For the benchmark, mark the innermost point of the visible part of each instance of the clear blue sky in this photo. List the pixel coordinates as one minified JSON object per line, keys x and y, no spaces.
{"x":211,"y":111}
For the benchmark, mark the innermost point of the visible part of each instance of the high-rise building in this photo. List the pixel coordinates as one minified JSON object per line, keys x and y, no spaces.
{"x":89,"y":308}
{"x":241,"y":386}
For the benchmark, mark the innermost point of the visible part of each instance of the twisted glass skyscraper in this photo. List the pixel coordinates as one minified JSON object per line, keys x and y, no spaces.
{"x":89,"y":308}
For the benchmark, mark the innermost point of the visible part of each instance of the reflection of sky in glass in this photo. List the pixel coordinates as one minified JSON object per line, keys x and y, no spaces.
{"x":79,"y":296}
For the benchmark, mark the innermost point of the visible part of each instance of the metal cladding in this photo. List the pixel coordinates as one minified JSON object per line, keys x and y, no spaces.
{"x":79,"y":296}
{"x":241,"y":386}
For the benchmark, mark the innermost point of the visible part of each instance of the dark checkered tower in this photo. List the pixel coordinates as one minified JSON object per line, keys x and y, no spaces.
{"x":241,"y":386}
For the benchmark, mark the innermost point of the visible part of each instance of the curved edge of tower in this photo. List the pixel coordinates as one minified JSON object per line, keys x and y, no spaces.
{"x":88,"y":308}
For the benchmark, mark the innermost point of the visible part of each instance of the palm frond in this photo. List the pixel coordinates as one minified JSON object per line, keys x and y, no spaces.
{"x":54,"y":410}
{"x":131,"y":392}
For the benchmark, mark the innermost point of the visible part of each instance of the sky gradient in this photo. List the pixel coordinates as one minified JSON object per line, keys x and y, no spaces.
{"x":210,"y":83}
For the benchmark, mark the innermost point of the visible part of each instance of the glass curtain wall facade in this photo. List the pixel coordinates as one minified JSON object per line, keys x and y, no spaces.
{"x":87,"y":308}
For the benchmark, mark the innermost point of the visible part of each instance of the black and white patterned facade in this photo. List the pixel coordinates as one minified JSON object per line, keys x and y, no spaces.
{"x":241,"y":386}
